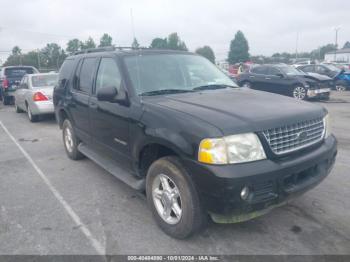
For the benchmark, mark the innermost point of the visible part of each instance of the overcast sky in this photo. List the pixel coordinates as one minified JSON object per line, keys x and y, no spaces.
{"x":269,"y":25}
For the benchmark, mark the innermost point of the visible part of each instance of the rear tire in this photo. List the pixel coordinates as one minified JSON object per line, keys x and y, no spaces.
{"x":340,"y":86}
{"x":32,"y":118}
{"x":175,"y":207}
{"x":246,"y":84}
{"x":6,"y":100}
{"x":18,"y":110}
{"x":71,"y":141}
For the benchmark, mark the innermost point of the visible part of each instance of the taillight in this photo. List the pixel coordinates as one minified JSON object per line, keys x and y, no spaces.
{"x":38,"y":96}
{"x":5,"y":83}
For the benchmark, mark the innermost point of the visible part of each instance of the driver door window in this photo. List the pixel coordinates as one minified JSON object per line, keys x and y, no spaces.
{"x":108,"y":74}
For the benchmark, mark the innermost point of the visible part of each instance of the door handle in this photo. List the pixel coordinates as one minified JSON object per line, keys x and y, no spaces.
{"x":251,"y":76}
{"x":268,"y":78}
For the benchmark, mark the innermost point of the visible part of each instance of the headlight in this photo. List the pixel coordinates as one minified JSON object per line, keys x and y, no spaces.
{"x":231,"y":149}
{"x":327,"y":126}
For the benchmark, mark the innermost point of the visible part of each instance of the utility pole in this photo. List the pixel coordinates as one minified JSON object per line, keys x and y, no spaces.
{"x":336,"y":42}
{"x":38,"y":51}
{"x":296,"y":46}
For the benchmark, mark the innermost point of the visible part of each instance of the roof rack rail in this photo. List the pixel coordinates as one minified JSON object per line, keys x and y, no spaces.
{"x":107,"y":48}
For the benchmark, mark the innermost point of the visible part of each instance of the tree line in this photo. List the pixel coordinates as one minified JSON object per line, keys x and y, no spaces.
{"x":52,"y":55}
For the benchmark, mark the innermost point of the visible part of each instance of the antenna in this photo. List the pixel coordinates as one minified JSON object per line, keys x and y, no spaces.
{"x":137,"y":56}
{"x":132,"y":23}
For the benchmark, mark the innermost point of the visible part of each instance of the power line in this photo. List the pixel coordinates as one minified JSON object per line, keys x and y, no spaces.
{"x":35,"y":32}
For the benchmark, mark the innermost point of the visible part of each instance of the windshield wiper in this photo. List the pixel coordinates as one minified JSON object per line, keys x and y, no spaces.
{"x":212,"y":87}
{"x":165,"y":92}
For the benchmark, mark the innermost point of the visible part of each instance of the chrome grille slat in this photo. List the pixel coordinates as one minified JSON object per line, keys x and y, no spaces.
{"x":288,"y":138}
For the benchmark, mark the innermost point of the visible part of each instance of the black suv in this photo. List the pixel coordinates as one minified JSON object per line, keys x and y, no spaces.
{"x":172,"y":124}
{"x":286,"y":80}
{"x":10,"y":77}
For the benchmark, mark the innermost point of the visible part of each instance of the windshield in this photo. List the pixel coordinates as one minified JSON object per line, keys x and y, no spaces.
{"x":178,"y":73}
{"x":289,"y":70}
{"x":18,"y":72}
{"x":44,"y":80}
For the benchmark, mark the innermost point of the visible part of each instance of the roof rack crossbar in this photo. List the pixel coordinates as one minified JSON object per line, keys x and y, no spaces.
{"x":107,"y":48}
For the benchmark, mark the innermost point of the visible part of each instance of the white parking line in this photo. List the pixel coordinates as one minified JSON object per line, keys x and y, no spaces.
{"x":100,"y":249}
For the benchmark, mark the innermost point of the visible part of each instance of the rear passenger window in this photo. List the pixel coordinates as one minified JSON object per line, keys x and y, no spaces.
{"x":108,"y":74}
{"x":86,"y":75}
{"x":261,"y":70}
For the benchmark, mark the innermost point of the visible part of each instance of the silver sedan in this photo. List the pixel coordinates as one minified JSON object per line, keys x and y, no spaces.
{"x":34,"y":95}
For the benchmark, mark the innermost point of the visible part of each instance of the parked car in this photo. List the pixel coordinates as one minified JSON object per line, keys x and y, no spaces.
{"x":170,"y":123}
{"x":286,"y":80}
{"x":340,"y":77}
{"x":34,"y":95}
{"x":10,"y":76}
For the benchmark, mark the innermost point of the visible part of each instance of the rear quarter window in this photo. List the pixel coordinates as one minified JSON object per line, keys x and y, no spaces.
{"x":65,"y":72}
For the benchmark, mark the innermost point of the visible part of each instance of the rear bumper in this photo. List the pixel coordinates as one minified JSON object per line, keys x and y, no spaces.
{"x":271,"y":183}
{"x":42,"y":107}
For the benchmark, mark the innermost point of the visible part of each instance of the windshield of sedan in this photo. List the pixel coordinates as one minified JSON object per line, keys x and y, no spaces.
{"x":44,"y":80}
{"x":289,"y":70}
{"x":174,"y":73}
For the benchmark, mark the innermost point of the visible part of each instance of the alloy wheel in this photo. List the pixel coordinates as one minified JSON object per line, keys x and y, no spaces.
{"x":166,"y":198}
{"x":68,"y":139}
{"x":340,"y":88}
{"x":299,"y":93}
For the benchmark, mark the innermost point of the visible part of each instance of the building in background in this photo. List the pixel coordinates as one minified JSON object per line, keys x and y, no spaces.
{"x":341,"y":55}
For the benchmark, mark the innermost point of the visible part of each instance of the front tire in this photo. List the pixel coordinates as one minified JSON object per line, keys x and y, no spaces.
{"x":173,"y":198}
{"x":71,"y":141}
{"x":299,"y":92}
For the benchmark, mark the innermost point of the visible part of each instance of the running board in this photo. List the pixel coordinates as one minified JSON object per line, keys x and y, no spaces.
{"x":113,"y":168}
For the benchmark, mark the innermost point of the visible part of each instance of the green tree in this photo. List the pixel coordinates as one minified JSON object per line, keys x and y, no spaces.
{"x":135,"y":44}
{"x":159,"y":43}
{"x":239,"y":49}
{"x":52,"y":56}
{"x":175,"y":43}
{"x":16,"y":51}
{"x":106,"y":40}
{"x":73,"y":45}
{"x":89,"y":43}
{"x":346,"y":45}
{"x":207,"y":52}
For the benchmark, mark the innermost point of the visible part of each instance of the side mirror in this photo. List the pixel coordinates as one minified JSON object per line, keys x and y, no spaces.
{"x":107,"y":93}
{"x":280,"y":75}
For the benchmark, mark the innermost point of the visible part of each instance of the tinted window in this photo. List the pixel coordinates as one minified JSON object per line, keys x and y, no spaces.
{"x":308,"y":69}
{"x":321,"y":69}
{"x":86,"y":75}
{"x":108,"y":74}
{"x":261,"y":70}
{"x":18,"y":72}
{"x":65,"y":72}
{"x":274,"y":71}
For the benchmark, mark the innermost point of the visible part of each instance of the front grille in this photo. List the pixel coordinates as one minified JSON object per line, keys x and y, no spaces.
{"x":292,"y":137}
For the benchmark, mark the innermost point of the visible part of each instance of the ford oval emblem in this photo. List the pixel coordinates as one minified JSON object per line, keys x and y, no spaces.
{"x":302,"y":136}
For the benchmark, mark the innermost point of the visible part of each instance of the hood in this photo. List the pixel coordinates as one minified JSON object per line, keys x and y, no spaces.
{"x":315,"y":76}
{"x":240,"y":110}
